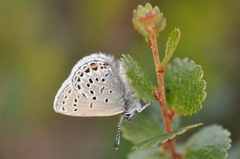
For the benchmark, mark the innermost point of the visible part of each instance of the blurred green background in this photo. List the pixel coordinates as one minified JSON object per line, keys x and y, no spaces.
{"x":40,"y":41}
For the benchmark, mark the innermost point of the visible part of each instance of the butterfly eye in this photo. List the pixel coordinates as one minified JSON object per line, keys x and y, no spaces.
{"x":94,"y":65}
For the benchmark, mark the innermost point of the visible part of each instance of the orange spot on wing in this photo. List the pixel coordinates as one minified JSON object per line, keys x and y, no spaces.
{"x":94,"y":65}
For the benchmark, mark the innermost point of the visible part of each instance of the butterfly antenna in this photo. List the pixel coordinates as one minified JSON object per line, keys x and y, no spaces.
{"x":118,"y":136}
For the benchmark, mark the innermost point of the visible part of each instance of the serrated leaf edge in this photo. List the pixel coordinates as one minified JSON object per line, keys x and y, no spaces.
{"x":191,"y":65}
{"x":228,"y":134}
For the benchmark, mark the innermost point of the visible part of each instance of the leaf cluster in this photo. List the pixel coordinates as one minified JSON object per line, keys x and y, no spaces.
{"x":185,"y":93}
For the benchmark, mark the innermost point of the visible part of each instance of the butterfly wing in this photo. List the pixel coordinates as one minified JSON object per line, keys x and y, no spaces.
{"x":69,"y":102}
{"x":92,"y":89}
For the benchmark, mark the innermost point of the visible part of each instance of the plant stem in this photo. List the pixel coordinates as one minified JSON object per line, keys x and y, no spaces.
{"x":170,"y":145}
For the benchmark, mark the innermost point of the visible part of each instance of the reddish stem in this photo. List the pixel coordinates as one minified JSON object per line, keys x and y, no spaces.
{"x":170,"y":145}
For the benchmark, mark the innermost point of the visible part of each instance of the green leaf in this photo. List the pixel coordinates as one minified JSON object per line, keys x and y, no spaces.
{"x":163,"y":138}
{"x":171,"y":45}
{"x":138,"y":79}
{"x":147,"y":123}
{"x":185,"y":88}
{"x":148,"y":17}
{"x":148,"y":153}
{"x":211,"y":142}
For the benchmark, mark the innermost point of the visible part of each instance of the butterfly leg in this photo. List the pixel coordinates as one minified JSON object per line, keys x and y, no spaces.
{"x":142,"y":108}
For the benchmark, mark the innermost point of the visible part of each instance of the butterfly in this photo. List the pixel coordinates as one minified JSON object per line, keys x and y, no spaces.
{"x":98,"y":86}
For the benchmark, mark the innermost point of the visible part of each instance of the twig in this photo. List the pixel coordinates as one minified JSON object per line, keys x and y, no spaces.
{"x":170,"y":145}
